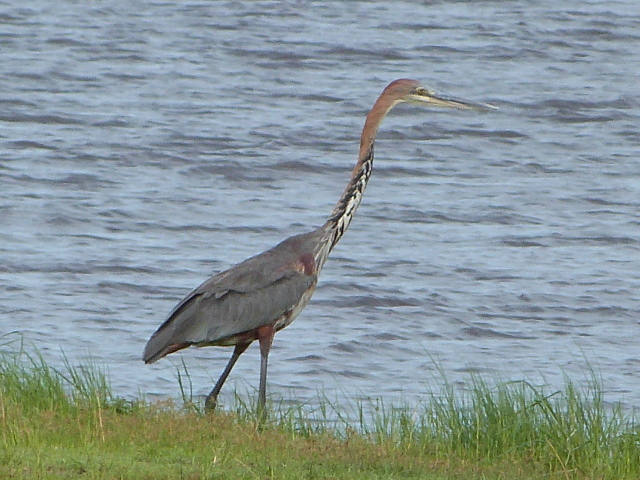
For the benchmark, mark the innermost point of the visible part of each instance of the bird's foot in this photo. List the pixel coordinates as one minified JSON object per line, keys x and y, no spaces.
{"x":211,"y":403}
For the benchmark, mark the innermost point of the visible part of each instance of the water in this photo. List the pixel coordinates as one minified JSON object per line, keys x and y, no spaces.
{"x":146,"y":145}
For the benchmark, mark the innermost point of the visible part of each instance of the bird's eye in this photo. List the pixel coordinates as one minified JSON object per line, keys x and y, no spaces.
{"x":422,"y":91}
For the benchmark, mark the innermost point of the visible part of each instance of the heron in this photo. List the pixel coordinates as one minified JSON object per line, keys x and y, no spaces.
{"x":263,"y":294}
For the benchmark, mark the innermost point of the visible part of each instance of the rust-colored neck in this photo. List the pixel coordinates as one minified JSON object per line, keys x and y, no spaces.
{"x":344,"y":210}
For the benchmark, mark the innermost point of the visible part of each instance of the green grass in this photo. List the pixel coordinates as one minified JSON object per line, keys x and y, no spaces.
{"x":68,"y":425}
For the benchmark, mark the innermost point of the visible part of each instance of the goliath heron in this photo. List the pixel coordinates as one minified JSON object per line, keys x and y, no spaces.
{"x":262,"y":295}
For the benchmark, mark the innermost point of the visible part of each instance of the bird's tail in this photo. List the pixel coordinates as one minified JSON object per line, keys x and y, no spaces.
{"x":158,"y":346}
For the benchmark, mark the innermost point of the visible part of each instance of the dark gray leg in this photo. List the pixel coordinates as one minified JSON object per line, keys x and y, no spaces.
{"x":212,"y":399}
{"x":265,"y":337}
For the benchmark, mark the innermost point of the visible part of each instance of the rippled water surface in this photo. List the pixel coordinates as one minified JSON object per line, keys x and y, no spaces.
{"x":146,"y":145}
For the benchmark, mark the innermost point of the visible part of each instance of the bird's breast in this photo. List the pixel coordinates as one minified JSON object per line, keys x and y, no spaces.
{"x":289,"y":316}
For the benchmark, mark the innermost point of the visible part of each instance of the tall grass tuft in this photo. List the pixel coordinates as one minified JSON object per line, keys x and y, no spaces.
{"x":30,"y":383}
{"x":571,"y":430}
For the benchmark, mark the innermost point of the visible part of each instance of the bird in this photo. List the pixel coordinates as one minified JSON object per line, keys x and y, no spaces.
{"x":263,"y":294}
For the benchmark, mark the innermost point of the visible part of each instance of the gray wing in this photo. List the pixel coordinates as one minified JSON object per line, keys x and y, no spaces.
{"x":254,"y":293}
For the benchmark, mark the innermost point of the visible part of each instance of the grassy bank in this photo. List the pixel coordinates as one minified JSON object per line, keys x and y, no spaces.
{"x":67,"y":424}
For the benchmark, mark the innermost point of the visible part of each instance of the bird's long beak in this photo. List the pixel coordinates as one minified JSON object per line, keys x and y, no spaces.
{"x":449,"y":102}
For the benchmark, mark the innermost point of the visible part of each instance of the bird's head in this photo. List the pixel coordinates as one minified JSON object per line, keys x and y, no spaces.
{"x":412,"y":91}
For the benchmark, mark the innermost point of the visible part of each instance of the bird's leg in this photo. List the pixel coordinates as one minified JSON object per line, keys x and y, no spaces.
{"x":212,"y":399}
{"x":265,"y":338}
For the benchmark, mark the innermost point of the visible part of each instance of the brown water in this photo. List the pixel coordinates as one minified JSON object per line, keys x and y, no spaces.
{"x":147,"y":144}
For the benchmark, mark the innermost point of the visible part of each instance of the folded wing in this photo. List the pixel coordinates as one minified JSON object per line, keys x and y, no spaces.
{"x":254,"y":293}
